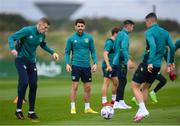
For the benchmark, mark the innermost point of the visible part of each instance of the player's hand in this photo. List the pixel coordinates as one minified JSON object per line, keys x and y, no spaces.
{"x":14,"y":52}
{"x":108,"y":68}
{"x":55,"y":56}
{"x":131,"y":64}
{"x":170,"y":67}
{"x":150,"y":68}
{"x":68,"y":68}
{"x":94,"y":67}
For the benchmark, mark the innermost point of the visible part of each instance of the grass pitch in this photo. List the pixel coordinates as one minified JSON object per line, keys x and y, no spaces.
{"x":53,"y":104}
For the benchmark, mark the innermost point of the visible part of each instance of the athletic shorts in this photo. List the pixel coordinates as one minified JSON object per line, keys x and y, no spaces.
{"x":81,"y":72}
{"x":121,"y":70}
{"x":109,"y":74}
{"x":142,"y":75}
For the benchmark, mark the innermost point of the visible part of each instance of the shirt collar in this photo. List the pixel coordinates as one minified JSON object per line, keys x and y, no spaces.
{"x":125,"y":30}
{"x":155,"y":24}
{"x":78,"y":34}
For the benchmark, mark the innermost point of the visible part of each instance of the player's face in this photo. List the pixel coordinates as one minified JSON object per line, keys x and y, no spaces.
{"x":80,"y":27}
{"x":42,"y":27}
{"x":130,"y":27}
{"x":148,"y":23}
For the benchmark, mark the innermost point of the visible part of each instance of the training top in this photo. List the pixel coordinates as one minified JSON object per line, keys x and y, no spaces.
{"x":30,"y":39}
{"x":81,"y":47}
{"x":121,"y":47}
{"x":157,"y":39}
{"x":109,"y":47}
{"x":177,"y":44}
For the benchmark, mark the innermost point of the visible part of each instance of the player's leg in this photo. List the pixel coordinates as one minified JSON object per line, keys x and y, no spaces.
{"x":22,"y":85}
{"x":139,"y":78}
{"x":142,"y":111}
{"x":32,"y":74}
{"x":162,"y":81}
{"x":114,"y":88}
{"x":145,"y":90}
{"x":122,"y":73}
{"x":106,"y":80}
{"x":86,"y":78}
{"x":75,"y":75}
{"x":105,"y":86}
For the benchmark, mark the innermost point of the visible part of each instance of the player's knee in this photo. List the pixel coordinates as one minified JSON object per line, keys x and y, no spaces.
{"x":164,"y":81}
{"x":134,"y":85}
{"x":33,"y":87}
{"x":87,"y":88}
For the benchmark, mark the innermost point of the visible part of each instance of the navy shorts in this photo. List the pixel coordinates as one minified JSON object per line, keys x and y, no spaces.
{"x":109,"y":74}
{"x":142,"y":75}
{"x":81,"y":72}
{"x":121,"y":70}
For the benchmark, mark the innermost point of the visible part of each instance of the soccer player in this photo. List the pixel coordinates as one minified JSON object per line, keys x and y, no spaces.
{"x":108,"y":72}
{"x":31,"y":37}
{"x":81,"y":44}
{"x":161,"y":78}
{"x":157,"y":39}
{"x":120,"y":62}
{"x":162,"y":81}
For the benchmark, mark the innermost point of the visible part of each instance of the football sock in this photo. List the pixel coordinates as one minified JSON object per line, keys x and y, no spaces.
{"x":113,"y":97}
{"x":87,"y":105}
{"x":104,"y":99}
{"x":72,"y":105}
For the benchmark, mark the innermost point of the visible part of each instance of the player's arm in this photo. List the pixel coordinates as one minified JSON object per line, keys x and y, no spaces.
{"x":125,"y":47}
{"x":49,"y":50}
{"x":107,"y":49}
{"x":152,"y":53}
{"x":16,"y":36}
{"x":131,"y":64}
{"x":67,"y":55}
{"x":171,"y":52}
{"x":177,"y":44}
{"x":93,"y":54}
{"x":117,"y":50}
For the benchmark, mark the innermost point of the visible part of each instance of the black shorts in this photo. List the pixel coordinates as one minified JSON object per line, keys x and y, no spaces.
{"x":81,"y":72}
{"x":142,"y":75}
{"x":109,"y":74}
{"x":121,"y":70}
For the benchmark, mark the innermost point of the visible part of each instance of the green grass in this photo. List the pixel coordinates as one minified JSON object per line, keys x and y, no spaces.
{"x":53,"y":105}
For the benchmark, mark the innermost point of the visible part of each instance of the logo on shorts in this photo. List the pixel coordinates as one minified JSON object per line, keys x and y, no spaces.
{"x":110,"y":75}
{"x":73,"y":77}
{"x":24,"y":66}
{"x":35,"y":69}
{"x":89,"y":78}
{"x":142,"y":69}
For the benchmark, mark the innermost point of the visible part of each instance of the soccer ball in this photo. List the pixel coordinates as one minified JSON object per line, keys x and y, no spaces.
{"x":107,"y":112}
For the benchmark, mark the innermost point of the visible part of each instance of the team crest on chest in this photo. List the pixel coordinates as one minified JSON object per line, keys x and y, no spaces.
{"x":30,"y":36}
{"x":40,"y":39}
{"x":75,"y":41}
{"x":86,"y":40}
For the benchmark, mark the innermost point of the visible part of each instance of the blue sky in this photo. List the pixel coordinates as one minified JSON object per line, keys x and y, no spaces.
{"x":117,"y":9}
